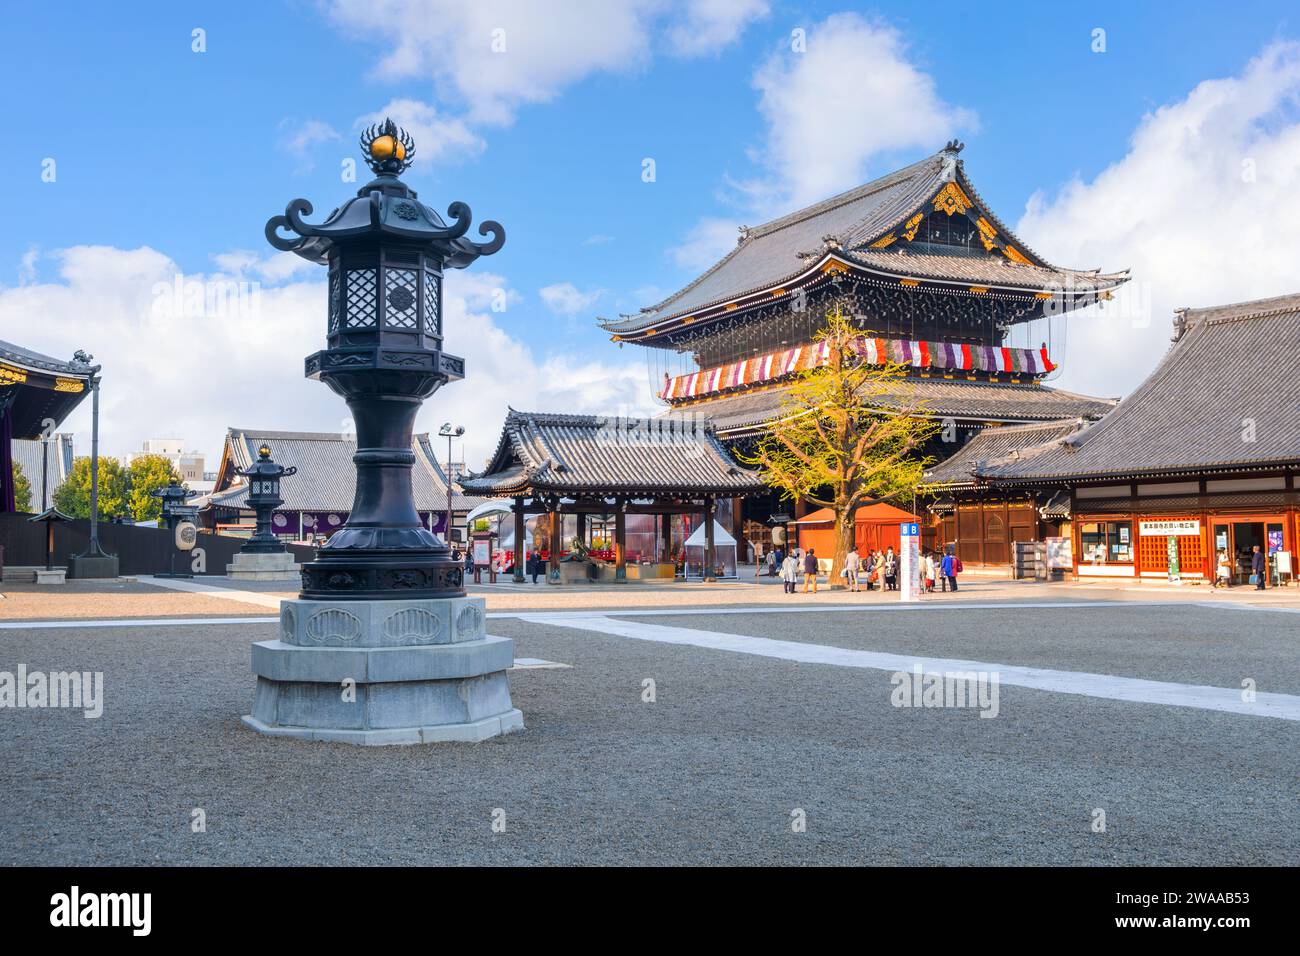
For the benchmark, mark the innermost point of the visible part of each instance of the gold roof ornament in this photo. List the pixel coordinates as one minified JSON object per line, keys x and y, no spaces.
{"x":950,"y":199}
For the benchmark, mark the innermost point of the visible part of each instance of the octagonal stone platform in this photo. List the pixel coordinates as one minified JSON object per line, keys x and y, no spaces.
{"x":384,"y":672}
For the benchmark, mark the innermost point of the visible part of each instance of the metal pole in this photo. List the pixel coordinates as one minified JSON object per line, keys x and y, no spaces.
{"x":45,"y":472}
{"x":449,"y":491}
{"x":94,"y":550}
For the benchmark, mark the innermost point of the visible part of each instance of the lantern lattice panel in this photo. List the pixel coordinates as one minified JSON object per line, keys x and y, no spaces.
{"x":402,"y":310}
{"x":361,"y":299}
{"x":431,"y":317}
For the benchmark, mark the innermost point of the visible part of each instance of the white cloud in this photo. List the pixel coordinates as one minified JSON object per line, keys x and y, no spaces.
{"x":489,"y":58}
{"x":300,"y":139}
{"x":438,"y":138}
{"x":173,"y":370}
{"x":1202,"y":208}
{"x":706,"y":26}
{"x":856,"y":71}
{"x":853,"y":95}
{"x":541,"y":48}
{"x":564,"y":298}
{"x":27,"y":266}
{"x":709,"y":241}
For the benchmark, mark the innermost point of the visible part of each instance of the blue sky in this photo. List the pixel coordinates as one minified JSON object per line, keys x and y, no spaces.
{"x":187,"y":154}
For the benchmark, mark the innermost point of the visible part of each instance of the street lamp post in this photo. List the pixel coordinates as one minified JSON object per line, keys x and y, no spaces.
{"x":449,"y":432}
{"x":384,"y":581}
{"x":93,"y":562}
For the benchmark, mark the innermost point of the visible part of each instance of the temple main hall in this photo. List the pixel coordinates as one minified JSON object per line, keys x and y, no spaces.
{"x":937,"y":283}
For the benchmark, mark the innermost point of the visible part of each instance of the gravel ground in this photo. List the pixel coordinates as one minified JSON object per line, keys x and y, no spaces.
{"x":709,"y":773}
{"x":99,"y":599}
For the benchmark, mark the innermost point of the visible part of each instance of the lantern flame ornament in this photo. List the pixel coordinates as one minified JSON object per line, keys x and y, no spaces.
{"x":386,"y":252}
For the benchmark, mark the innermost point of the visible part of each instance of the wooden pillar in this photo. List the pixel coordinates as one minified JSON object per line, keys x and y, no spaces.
{"x":710,"y":559}
{"x":521,"y":552}
{"x":620,"y":545}
{"x":553,"y":563}
{"x":582,"y":528}
{"x":666,"y":538}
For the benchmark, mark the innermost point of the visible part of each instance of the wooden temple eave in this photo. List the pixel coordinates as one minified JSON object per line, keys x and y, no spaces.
{"x":831,"y":268}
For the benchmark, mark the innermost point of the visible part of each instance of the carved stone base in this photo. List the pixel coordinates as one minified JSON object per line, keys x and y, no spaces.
{"x":252,"y":566}
{"x":384,"y":672}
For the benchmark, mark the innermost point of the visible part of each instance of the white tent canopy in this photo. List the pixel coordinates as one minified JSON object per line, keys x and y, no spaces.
{"x":495,"y":506}
{"x":721,"y":537}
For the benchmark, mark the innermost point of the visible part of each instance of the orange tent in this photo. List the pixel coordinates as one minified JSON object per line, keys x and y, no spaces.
{"x":875,"y":528}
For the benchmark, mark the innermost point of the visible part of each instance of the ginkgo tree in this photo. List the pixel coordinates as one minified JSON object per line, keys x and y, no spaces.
{"x":849,"y":433}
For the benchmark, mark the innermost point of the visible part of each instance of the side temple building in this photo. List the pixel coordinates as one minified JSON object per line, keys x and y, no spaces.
{"x":1202,"y":458}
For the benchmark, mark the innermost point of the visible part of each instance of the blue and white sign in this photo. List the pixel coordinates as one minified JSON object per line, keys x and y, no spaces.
{"x":909,"y":588}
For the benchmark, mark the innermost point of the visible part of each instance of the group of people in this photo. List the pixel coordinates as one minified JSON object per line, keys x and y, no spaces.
{"x":1223,"y":568}
{"x":880,"y":569}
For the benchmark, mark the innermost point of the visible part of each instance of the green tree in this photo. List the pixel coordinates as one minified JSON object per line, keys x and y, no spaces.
{"x":73,"y":496}
{"x":147,"y":474}
{"x":833,"y":446}
{"x":22,"y":489}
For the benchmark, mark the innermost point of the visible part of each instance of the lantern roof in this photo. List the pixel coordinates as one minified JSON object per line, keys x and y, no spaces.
{"x":385,"y":208}
{"x":265,"y":468}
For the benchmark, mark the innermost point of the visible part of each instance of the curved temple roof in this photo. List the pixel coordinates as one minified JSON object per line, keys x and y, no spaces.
{"x":739,"y":414}
{"x":868,"y":227}
{"x":1220,"y":399}
{"x":34,"y":387}
{"x":594,"y":455}
{"x":326,"y":478}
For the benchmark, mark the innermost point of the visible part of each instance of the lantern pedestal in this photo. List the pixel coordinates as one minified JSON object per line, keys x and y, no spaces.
{"x":252,"y":566}
{"x":384,"y":672}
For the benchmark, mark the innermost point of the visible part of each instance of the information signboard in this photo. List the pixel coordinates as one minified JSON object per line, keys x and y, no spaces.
{"x":909,"y":588}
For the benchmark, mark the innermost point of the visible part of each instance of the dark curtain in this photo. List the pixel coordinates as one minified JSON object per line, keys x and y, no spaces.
{"x":6,"y":464}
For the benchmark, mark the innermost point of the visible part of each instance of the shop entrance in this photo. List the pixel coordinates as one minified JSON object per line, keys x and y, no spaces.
{"x":1239,"y":539}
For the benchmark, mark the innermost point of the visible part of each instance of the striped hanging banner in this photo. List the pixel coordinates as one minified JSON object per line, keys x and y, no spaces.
{"x":916,"y":353}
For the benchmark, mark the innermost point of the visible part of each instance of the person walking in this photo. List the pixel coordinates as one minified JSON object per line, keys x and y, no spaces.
{"x":948,"y":567}
{"x":810,"y":571}
{"x":1257,"y":567}
{"x":1223,"y":573}
{"x":537,"y":565}
{"x":771,"y":564}
{"x":891,"y":570}
{"x":852,"y":564}
{"x":789,"y":573}
{"x":878,"y":570}
{"x":929,"y":572}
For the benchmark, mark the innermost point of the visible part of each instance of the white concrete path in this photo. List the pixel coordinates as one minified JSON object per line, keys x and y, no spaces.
{"x":1134,"y":690}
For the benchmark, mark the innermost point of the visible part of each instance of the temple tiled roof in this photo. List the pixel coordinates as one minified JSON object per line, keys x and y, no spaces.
{"x":35,"y":361}
{"x":939,"y":397}
{"x":992,"y":443}
{"x":36,"y":387}
{"x":779,"y":251}
{"x":326,"y":478}
{"x":988,"y":270}
{"x":541,"y":453}
{"x":1222,"y":398}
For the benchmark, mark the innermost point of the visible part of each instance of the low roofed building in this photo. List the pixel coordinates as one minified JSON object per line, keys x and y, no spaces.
{"x":319,"y":498}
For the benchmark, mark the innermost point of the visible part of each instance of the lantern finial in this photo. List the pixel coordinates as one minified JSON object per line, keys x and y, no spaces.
{"x":388,"y":148}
